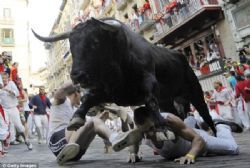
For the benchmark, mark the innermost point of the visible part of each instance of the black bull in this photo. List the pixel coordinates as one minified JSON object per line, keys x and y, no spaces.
{"x":118,"y":65}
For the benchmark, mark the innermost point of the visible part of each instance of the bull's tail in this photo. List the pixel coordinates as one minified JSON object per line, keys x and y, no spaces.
{"x":197,"y":98}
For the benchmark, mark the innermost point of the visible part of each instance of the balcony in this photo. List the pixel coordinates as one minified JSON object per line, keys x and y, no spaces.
{"x":179,"y":21}
{"x":6,"y":21}
{"x":7,"y":42}
{"x":121,"y":4}
{"x":147,"y":20}
{"x":134,"y":25}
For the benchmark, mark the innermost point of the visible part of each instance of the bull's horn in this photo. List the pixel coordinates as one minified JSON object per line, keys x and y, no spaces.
{"x":108,"y":24}
{"x":52,"y":38}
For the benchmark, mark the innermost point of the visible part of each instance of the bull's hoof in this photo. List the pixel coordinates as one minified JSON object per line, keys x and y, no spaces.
{"x":165,"y":135}
{"x":75,"y":123}
{"x":126,"y":139}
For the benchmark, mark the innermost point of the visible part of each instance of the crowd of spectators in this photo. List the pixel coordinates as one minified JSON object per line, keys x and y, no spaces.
{"x":233,"y":103}
{"x":19,"y":117}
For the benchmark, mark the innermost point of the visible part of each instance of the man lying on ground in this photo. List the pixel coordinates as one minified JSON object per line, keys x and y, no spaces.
{"x":188,"y":144}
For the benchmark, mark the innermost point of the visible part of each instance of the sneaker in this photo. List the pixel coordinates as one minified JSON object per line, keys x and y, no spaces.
{"x":29,"y":145}
{"x":39,"y":141}
{"x":234,"y":126}
{"x":2,"y":154}
{"x":69,"y":152}
{"x":19,"y":139}
{"x":126,"y":139}
{"x":75,"y":123}
{"x":14,"y":142}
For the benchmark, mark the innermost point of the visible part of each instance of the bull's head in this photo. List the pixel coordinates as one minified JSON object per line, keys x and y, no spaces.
{"x":92,"y":46}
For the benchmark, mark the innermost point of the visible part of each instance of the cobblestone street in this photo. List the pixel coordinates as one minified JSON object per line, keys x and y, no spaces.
{"x":95,"y":157}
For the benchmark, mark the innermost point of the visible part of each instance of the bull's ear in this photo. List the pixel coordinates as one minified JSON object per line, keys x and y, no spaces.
{"x":109,"y":25}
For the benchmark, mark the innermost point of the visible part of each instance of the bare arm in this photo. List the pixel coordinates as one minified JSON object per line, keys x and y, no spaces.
{"x":186,"y":133}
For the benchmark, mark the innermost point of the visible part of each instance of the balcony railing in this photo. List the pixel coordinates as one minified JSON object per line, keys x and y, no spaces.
{"x":142,"y":22}
{"x":172,"y":17}
{"x":8,"y":41}
{"x":134,"y":25}
{"x":146,"y":20}
{"x":6,"y":21}
{"x":121,"y":4}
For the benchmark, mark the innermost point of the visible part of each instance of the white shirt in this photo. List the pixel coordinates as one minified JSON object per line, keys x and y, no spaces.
{"x":224,"y":95}
{"x":7,"y":99}
{"x":26,"y":106}
{"x":60,"y":116}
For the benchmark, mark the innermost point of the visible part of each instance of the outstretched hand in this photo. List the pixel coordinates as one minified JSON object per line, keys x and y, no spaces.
{"x":185,"y":160}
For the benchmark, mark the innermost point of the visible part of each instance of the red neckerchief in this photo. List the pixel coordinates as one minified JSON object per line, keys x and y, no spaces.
{"x":21,"y":95}
{"x":2,"y":113}
{"x":43,"y":97}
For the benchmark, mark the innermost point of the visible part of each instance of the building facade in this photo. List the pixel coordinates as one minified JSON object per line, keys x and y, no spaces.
{"x":14,"y":36}
{"x":198,"y":28}
{"x":39,"y":78}
{"x":59,"y":59}
{"x":237,"y":12}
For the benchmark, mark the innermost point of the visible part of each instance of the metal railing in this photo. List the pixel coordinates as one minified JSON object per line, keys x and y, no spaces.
{"x":146,"y":20}
{"x":134,"y":25}
{"x":142,"y":21}
{"x":180,"y":13}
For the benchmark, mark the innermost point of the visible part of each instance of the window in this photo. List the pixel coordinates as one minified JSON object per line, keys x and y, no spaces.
{"x":7,"y":36}
{"x":7,"y":54}
{"x":204,"y":55}
{"x":6,"y":13}
{"x":241,"y":16}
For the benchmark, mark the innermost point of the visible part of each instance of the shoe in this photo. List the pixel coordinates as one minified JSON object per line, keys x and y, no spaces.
{"x":2,"y":154}
{"x":75,"y":123}
{"x":246,"y":130}
{"x":29,"y":145}
{"x":39,"y":141}
{"x":4,"y":151}
{"x":234,"y":126}
{"x":14,"y":142}
{"x":69,"y":152}
{"x":126,"y":139}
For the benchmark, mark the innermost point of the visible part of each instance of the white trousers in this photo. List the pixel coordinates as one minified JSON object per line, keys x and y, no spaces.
{"x":244,"y":114}
{"x":15,"y":122}
{"x":4,"y":126}
{"x":30,"y":124}
{"x":225,"y":112}
{"x":223,"y":144}
{"x":42,"y":123}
